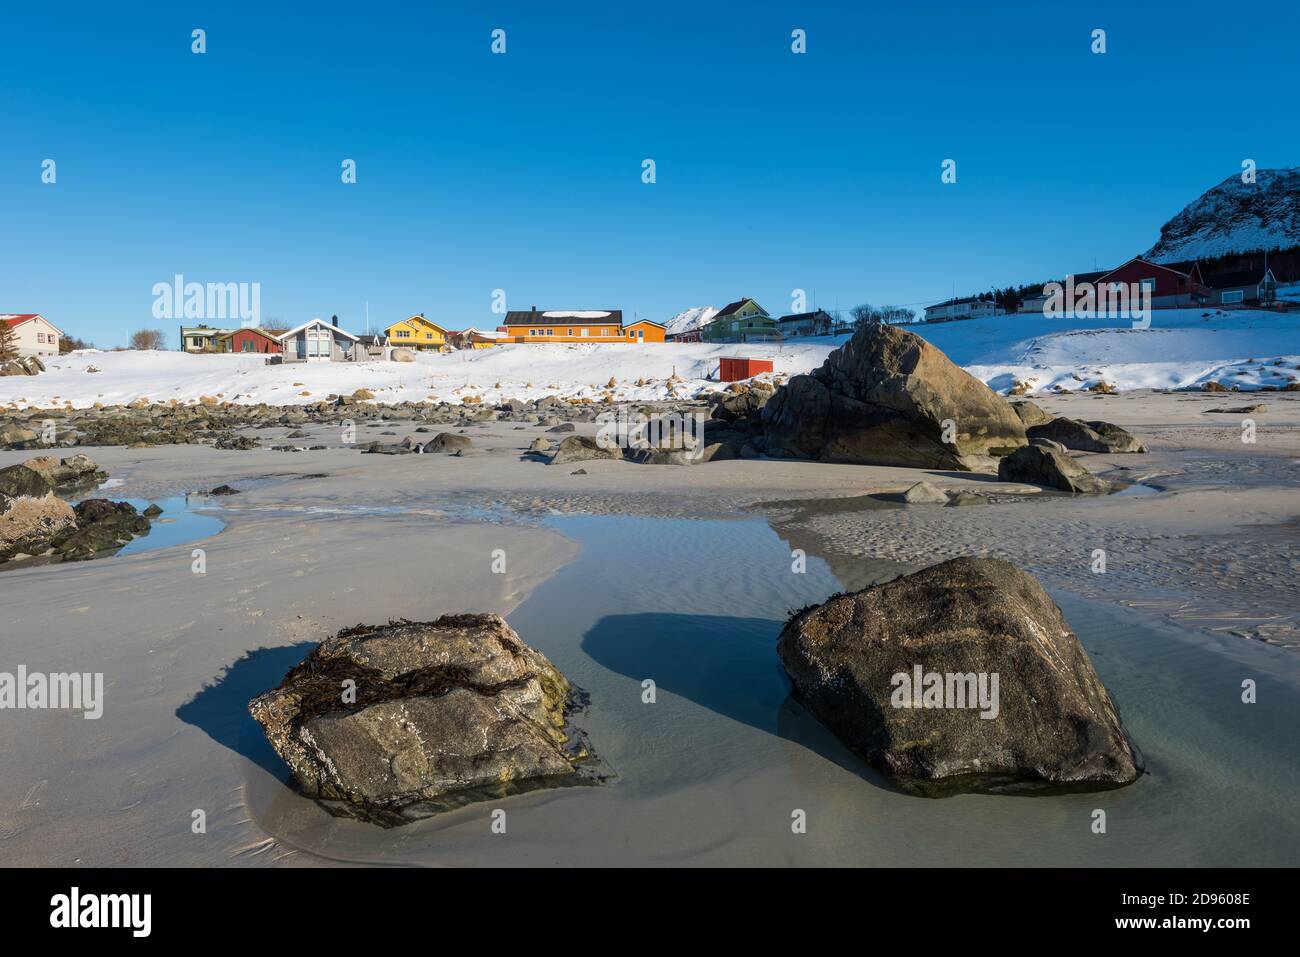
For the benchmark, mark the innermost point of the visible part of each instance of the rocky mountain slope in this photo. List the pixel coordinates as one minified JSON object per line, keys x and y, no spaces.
{"x":1235,"y":217}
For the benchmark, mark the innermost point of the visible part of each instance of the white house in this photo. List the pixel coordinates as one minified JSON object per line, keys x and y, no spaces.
{"x":36,"y":335}
{"x":971,"y":308}
{"x":318,"y":341}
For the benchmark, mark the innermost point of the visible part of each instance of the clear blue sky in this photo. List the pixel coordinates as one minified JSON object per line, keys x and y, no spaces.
{"x":523,"y":172}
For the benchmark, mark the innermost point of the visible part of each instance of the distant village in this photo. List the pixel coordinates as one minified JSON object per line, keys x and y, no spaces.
{"x":1172,"y":286}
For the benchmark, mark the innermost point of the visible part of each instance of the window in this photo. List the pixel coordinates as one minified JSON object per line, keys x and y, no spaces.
{"x":248,"y":345}
{"x":570,"y":333}
{"x":1149,"y":284}
{"x":1236,"y":295}
{"x":585,"y":331}
{"x":550,"y":332}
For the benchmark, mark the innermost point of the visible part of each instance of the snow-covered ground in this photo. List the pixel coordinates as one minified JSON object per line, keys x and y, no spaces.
{"x":502,"y":372}
{"x":1182,"y":348}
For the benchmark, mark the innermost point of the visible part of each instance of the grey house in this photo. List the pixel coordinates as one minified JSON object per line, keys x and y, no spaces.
{"x":318,"y":341}
{"x":1252,"y":285}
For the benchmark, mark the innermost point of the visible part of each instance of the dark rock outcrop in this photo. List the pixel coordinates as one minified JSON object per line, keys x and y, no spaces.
{"x":1086,"y":436}
{"x":1039,"y":465}
{"x":397,"y":722}
{"x":888,"y":397}
{"x":1049,"y":725}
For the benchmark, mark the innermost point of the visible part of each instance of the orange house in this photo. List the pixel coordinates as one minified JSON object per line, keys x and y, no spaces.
{"x":643,"y":330}
{"x":592,"y":325}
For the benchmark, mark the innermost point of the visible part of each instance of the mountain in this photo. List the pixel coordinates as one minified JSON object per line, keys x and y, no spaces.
{"x":1235,"y":217}
{"x":691,"y":319}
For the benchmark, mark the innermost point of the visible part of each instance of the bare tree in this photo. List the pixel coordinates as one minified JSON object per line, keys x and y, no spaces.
{"x":147,"y":339}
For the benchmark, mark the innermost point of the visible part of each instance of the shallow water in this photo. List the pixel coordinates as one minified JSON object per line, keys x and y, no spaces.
{"x":179,"y":524}
{"x":714,"y":769}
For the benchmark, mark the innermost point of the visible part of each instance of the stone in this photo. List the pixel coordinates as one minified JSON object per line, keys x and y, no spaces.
{"x":904,"y":674}
{"x":1086,"y":436}
{"x":923,"y":493}
{"x":582,"y":448}
{"x":1043,"y":466}
{"x":1030,"y":413}
{"x":446,"y":712}
{"x":888,"y":397}
{"x":448,"y":442}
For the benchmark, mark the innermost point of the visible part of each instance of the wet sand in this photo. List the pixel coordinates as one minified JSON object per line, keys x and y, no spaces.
{"x":686,"y":581}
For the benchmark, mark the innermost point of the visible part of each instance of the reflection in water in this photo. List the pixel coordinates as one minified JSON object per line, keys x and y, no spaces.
{"x":713,"y":769}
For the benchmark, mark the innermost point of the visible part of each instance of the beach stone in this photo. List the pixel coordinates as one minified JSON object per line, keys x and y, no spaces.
{"x":102,"y":526}
{"x":1047,"y":443}
{"x":1030,"y":413}
{"x":402,"y":355}
{"x":963,"y":497}
{"x":884,"y":398}
{"x":582,"y":448}
{"x":71,"y":472}
{"x":539,"y":445}
{"x":28,"y":524}
{"x":742,"y":404}
{"x":1086,"y":436}
{"x":1043,"y":466}
{"x":1052,"y":724}
{"x":224,"y":490}
{"x":17,"y":436}
{"x":22,"y":480}
{"x":562,"y":427}
{"x":923,"y":493}
{"x":448,"y":442}
{"x":445,"y":712}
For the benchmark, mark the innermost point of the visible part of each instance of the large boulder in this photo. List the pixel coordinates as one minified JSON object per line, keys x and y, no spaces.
{"x":1041,"y":465}
{"x":888,"y":397}
{"x":399,"y":721}
{"x":449,"y":442}
{"x":1086,"y":436}
{"x":75,"y":471}
{"x":1031,"y":413}
{"x":22,"y":480}
{"x":28,"y":524}
{"x":102,"y":527}
{"x":962,"y":676}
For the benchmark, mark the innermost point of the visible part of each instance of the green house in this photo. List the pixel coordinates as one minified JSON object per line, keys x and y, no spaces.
{"x":742,"y":321}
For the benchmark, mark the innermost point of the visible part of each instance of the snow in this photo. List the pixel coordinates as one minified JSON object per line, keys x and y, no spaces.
{"x":519,"y":371}
{"x":1235,"y":217}
{"x":1183,"y":348}
{"x":693,"y":318}
{"x":576,"y":315}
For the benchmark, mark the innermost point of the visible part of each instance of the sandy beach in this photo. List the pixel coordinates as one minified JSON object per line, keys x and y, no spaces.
{"x":678,"y":574}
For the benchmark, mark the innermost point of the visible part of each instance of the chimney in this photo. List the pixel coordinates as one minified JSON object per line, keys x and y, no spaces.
{"x":532,"y":308}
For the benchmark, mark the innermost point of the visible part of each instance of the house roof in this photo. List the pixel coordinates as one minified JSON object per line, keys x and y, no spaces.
{"x":1183,"y":269}
{"x":16,"y":319}
{"x":804,"y":315}
{"x":645,"y":322}
{"x":733,"y":307}
{"x":559,"y":317}
{"x":417,"y":318}
{"x":958,"y":302}
{"x":316,"y":322}
{"x":1229,"y":280}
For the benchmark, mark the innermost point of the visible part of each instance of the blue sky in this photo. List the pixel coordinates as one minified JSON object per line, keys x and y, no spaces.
{"x":522,"y":171}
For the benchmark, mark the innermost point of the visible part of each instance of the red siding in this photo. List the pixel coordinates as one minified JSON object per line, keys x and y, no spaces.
{"x":1168,"y":281}
{"x":732,"y":370}
{"x":261,"y":342}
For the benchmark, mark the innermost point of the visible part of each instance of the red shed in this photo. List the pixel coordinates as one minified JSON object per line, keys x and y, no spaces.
{"x":253,"y":340}
{"x":733,"y":368}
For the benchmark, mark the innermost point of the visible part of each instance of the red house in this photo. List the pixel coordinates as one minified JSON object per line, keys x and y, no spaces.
{"x":1173,"y":285}
{"x":249,"y":340}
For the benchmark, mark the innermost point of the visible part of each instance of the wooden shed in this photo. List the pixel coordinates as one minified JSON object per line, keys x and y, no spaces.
{"x":733,"y":368}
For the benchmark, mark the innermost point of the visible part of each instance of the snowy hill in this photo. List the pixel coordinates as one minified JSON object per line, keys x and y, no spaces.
{"x":691,"y":319}
{"x":1235,"y":217}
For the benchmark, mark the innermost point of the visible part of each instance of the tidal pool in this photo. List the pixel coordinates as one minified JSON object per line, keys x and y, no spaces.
{"x":714,"y":770}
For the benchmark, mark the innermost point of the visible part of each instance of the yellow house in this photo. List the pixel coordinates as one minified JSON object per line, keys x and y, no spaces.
{"x":417,"y":332}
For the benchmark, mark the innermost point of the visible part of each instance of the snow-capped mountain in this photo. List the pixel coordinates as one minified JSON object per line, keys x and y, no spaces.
{"x":1235,"y":217}
{"x":691,"y":319}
